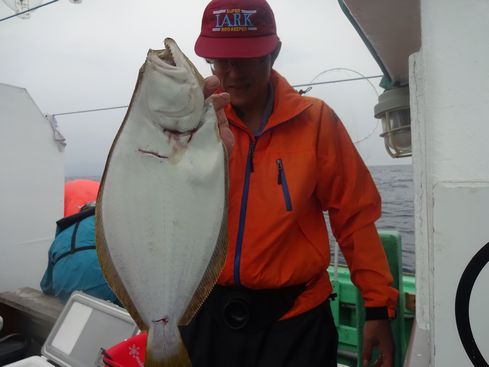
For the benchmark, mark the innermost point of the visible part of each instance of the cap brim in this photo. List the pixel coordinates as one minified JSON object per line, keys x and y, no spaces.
{"x":215,"y":48}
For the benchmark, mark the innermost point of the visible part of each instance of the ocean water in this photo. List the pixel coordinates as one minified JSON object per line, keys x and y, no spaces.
{"x":395,"y":184}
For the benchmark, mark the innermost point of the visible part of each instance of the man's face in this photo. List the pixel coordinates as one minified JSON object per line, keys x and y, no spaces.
{"x":246,"y":80}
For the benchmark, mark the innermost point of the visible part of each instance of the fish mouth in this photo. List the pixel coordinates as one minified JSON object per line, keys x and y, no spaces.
{"x":167,"y":55}
{"x":172,"y":56}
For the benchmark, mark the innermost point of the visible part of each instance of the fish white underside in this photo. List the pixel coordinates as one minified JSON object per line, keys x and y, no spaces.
{"x":162,"y":216}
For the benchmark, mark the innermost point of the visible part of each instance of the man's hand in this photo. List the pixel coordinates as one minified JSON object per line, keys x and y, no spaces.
{"x":220,"y":100}
{"x":378,"y":333}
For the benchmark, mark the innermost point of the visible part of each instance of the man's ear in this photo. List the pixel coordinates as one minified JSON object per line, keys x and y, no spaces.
{"x":276,"y":51}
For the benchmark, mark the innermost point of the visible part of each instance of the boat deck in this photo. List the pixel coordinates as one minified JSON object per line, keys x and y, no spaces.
{"x":30,"y":312}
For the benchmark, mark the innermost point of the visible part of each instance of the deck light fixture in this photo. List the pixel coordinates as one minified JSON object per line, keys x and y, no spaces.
{"x":393,"y":110}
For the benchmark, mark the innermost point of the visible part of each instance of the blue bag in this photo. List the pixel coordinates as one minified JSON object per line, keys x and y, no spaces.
{"x":73,"y":263}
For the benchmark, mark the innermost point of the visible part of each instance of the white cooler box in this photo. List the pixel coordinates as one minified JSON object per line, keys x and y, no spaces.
{"x":84,"y":327}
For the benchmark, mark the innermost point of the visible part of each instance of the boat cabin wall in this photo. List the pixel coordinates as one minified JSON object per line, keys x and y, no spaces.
{"x":31,"y":187}
{"x":449,"y":88}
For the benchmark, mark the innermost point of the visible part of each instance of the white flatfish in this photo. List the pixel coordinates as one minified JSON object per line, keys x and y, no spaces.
{"x":162,"y":205}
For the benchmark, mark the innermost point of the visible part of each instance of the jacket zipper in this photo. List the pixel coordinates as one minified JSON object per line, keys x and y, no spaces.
{"x":282,"y":181}
{"x":242,"y":213}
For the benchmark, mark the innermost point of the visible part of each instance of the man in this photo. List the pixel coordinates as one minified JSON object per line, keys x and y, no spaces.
{"x":292,"y":159}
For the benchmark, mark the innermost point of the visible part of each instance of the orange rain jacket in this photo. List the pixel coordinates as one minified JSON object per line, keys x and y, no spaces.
{"x":302,"y":164}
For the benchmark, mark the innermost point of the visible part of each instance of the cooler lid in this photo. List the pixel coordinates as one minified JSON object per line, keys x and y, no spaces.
{"x":86,"y":325}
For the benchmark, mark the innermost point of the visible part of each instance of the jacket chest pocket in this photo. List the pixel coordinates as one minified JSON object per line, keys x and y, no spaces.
{"x":282,"y":182}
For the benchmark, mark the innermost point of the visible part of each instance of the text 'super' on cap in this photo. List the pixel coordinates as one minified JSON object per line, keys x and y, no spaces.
{"x":237,"y":29}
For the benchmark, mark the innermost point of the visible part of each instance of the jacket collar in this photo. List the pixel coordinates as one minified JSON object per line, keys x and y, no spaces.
{"x":287,"y":104}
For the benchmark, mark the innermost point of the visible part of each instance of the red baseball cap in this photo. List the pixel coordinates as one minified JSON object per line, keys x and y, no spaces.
{"x":237,"y":29}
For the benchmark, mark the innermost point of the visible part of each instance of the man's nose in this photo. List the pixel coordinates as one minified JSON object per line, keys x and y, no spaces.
{"x":235,"y":70}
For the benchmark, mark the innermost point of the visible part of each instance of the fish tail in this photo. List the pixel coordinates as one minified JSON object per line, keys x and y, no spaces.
{"x":179,"y":360}
{"x":165,"y":348}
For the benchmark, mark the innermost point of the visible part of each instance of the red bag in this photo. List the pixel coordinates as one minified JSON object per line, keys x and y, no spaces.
{"x":128,"y":353}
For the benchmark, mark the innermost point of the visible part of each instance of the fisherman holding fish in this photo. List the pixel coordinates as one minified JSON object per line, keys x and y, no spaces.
{"x":223,"y":235}
{"x":290,"y":160}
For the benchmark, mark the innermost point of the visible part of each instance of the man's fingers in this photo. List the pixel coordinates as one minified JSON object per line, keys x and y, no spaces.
{"x":220,"y":100}
{"x":227,"y":138}
{"x":386,"y":357}
{"x":224,"y":130}
{"x":379,"y":362}
{"x":367,"y":353}
{"x":386,"y":347}
{"x":377,"y":333}
{"x":211,"y":83}
{"x":387,"y":360}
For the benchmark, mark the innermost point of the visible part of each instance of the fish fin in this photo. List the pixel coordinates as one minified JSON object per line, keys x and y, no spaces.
{"x":216,"y":264}
{"x":109,"y":270}
{"x":156,"y":356}
{"x":106,"y":263}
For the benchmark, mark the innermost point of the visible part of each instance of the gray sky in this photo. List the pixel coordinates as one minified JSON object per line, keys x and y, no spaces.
{"x":76,"y":57}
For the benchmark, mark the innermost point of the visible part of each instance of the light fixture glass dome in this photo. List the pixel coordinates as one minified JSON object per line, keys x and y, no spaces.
{"x":393,"y":110}
{"x":22,"y":5}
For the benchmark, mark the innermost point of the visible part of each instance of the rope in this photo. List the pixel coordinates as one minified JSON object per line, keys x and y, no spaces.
{"x":27,"y":11}
{"x":294,"y":86}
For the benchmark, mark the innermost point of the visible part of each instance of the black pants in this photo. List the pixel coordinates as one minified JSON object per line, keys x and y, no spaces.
{"x":307,"y":340}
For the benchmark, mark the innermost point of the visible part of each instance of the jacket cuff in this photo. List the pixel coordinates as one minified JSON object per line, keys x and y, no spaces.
{"x":379,"y":313}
